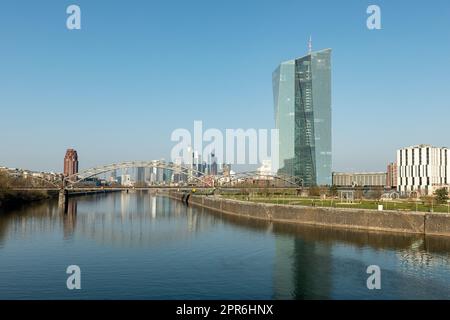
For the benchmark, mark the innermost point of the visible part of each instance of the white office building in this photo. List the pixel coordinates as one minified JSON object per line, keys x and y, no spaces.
{"x":422,"y":169}
{"x":126,"y":180}
{"x":265,"y":169}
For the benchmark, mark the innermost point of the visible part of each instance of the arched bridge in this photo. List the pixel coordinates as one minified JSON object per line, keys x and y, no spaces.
{"x":89,"y":173}
{"x":192,"y":174}
{"x":243,"y":176}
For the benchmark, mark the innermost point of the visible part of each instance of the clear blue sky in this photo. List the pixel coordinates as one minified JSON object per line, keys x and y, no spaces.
{"x":137,"y":70}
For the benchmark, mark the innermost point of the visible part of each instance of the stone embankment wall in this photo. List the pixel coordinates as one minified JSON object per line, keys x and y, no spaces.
{"x":390,"y":221}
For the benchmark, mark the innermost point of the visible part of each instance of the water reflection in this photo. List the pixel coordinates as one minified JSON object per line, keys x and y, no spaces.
{"x":197,"y":253}
{"x":322,"y":263}
{"x":70,"y":219}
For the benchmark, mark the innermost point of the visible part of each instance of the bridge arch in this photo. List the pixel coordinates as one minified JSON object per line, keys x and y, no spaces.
{"x":71,"y":180}
{"x":51,"y":182}
{"x":290,"y":180}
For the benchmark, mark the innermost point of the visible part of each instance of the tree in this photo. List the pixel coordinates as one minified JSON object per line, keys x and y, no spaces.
{"x":314,"y":191}
{"x":441,"y":195}
{"x":4,"y":181}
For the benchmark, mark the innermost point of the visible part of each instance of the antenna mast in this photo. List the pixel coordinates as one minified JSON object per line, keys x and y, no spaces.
{"x":310,"y":45}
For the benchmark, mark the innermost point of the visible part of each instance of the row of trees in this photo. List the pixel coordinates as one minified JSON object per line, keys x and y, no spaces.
{"x":4,"y":181}
{"x":440,"y":195}
{"x":10,"y":197}
{"x":8,"y":182}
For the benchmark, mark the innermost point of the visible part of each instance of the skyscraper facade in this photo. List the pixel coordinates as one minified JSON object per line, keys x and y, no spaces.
{"x":392,"y":174}
{"x":213,"y":165}
{"x":70,"y":162}
{"x":140,"y":175}
{"x":422,"y":169}
{"x":302,"y":105}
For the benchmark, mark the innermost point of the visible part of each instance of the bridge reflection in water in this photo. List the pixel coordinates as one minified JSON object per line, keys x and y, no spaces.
{"x":197,"y":253}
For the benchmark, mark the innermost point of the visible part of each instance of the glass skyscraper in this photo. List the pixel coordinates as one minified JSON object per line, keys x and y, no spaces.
{"x":302,"y":102}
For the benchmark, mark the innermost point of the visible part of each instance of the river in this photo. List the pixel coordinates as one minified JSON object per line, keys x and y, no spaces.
{"x":141,"y":245}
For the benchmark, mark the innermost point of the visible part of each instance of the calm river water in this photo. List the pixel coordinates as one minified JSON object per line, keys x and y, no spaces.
{"x":144,"y":246}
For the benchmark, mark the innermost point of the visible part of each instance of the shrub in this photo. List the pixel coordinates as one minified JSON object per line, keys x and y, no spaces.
{"x":441,"y":195}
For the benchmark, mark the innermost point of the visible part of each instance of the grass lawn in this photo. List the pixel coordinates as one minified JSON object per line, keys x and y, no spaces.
{"x":399,"y":205}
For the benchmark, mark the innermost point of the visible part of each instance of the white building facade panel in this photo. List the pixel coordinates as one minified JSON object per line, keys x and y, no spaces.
{"x":422,"y":169}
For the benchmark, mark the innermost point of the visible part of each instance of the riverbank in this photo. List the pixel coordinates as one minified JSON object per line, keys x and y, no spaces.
{"x":11,"y":198}
{"x":426,"y":206}
{"x":363,"y":219}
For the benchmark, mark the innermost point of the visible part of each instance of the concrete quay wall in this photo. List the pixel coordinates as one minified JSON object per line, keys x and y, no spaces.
{"x":386,"y":221}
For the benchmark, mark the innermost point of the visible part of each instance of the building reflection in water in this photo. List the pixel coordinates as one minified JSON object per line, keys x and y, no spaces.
{"x":130,"y":219}
{"x":124,"y":204}
{"x":302,"y":270}
{"x":153,"y":207}
{"x":70,"y":219}
{"x":308,"y":260}
{"x":304,"y":262}
{"x":23,"y":222}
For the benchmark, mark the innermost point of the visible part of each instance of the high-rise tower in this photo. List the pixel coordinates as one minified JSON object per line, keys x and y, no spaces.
{"x":302,"y":105}
{"x":70,"y":162}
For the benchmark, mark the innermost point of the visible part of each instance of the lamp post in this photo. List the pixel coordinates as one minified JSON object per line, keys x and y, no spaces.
{"x":417,"y":201}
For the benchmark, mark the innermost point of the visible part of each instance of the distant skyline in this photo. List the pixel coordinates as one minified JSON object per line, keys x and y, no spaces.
{"x":136,"y":71}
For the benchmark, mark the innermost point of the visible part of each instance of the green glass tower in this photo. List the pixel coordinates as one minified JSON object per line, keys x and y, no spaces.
{"x":302,"y":103}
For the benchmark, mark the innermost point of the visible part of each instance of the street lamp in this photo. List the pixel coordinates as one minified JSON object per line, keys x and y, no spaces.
{"x":417,"y":201}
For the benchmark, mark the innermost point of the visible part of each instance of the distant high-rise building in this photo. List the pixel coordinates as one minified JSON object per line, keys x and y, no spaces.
{"x":302,"y":103}
{"x":113,"y":176}
{"x":167,"y":175}
{"x":204,"y":167}
{"x":159,"y":175}
{"x":70,"y":163}
{"x":178,"y":172}
{"x":126,"y":180}
{"x":199,"y":165}
{"x":213,"y":168}
{"x":140,"y":175}
{"x":226,"y":170}
{"x":391,"y":179}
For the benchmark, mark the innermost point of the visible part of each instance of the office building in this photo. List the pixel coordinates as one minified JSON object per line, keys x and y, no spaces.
{"x":226,"y":170}
{"x":213,"y":165}
{"x":265,"y":170}
{"x":140,"y":175}
{"x":70,"y":163}
{"x":126,"y":180}
{"x":422,"y":169}
{"x":359,"y":179}
{"x":167,"y":175}
{"x":302,"y":105}
{"x":391,"y":179}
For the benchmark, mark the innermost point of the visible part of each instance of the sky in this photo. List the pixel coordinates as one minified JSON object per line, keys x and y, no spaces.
{"x":137,"y":70}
